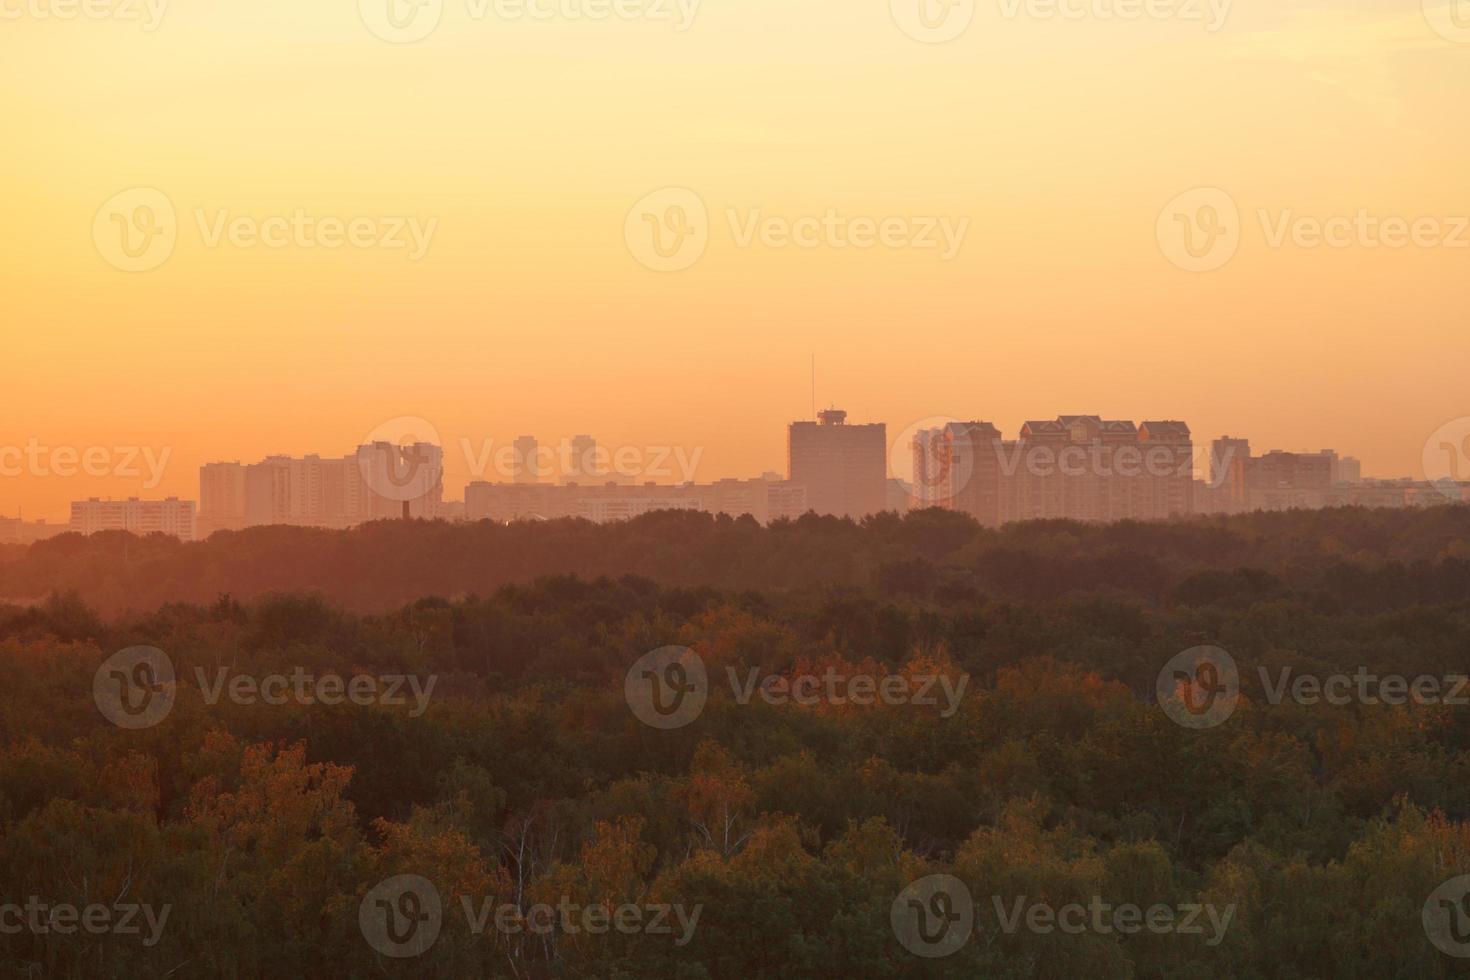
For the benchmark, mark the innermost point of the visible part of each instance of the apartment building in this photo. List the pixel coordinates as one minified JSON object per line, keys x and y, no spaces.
{"x":171,"y":516}
{"x":1079,"y":467}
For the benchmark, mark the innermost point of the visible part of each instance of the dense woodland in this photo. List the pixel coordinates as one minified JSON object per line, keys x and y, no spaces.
{"x":1365,"y":558}
{"x":793,"y":827}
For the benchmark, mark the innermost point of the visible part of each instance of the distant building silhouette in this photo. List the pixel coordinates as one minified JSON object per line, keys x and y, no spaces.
{"x":582,"y":464}
{"x":1279,"y":470}
{"x":397,"y":481}
{"x":172,"y":516}
{"x":844,"y":468}
{"x":380,"y":481}
{"x":222,"y":499}
{"x":1081,"y":467}
{"x":13,"y":530}
{"x":1306,"y":481}
{"x":958,"y":467}
{"x":527,"y":462}
{"x":764,"y":500}
{"x":898,"y":496}
{"x":1228,"y":459}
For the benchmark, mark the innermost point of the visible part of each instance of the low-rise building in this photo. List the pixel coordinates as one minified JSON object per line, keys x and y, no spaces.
{"x":13,"y":530}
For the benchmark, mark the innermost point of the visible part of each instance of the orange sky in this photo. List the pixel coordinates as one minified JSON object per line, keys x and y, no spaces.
{"x":519,"y":146}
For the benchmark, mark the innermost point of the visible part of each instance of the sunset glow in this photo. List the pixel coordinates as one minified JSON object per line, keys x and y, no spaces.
{"x":518,"y":144}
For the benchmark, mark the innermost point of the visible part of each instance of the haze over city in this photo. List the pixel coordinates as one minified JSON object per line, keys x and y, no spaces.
{"x":714,"y":489}
{"x":521,"y":306}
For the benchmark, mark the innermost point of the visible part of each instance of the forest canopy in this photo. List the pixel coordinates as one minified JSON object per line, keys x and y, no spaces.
{"x":780,"y":835}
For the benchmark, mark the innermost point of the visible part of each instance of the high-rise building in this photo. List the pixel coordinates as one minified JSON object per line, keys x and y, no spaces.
{"x":844,"y":468}
{"x":1228,"y":459}
{"x":380,"y":481}
{"x":1279,"y":480}
{"x":222,"y":504}
{"x":309,"y":491}
{"x":1088,"y":468}
{"x":527,"y":461}
{"x":1081,"y":467}
{"x":957,"y":467}
{"x":172,"y":516}
{"x":580,"y":465}
{"x":1279,"y":470}
{"x":398,"y":481}
{"x":1168,"y":451}
{"x":1334,"y":465}
{"x":932,"y":462}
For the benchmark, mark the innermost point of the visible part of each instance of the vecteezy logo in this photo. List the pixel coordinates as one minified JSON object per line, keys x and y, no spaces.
{"x":1449,"y":18}
{"x":934,"y":916}
{"x":933,"y":21}
{"x":136,"y":230}
{"x":942,"y":452}
{"x":668,"y":230}
{"x":401,"y":21}
{"x":1199,"y":231}
{"x":134,"y":688}
{"x":667,"y":688}
{"x":1446,"y":917}
{"x":401,"y":916}
{"x":402,"y":459}
{"x":1200,"y":687}
{"x":1447,"y":457}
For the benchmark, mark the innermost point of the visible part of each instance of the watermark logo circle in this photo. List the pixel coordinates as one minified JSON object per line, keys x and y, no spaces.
{"x":934,"y":916}
{"x":401,"y":21}
{"x":668,"y":230}
{"x":401,"y":459}
{"x":933,"y":21}
{"x":135,"y":688}
{"x":667,"y":688}
{"x":401,"y":916}
{"x":1446,"y":917}
{"x":941,"y":452}
{"x":1199,"y":231}
{"x":1447,"y":457}
{"x":1199,"y":688}
{"x":136,"y":230}
{"x":1450,"y":19}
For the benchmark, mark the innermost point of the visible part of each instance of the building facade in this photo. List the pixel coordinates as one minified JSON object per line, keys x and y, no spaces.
{"x":222,"y":501}
{"x":582,"y":464}
{"x":1228,"y":459}
{"x":172,"y":516}
{"x":1078,"y":467}
{"x":1240,"y":481}
{"x":380,"y":481}
{"x":526,"y":463}
{"x":13,"y":530}
{"x":844,"y":468}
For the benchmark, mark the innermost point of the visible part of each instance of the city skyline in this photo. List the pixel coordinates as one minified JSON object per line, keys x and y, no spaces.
{"x":500,"y":287}
{"x":159,"y":471}
{"x":763,"y":489}
{"x":1077,"y":467}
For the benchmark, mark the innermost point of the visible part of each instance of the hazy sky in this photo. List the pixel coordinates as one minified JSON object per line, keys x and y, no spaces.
{"x":1051,"y":143}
